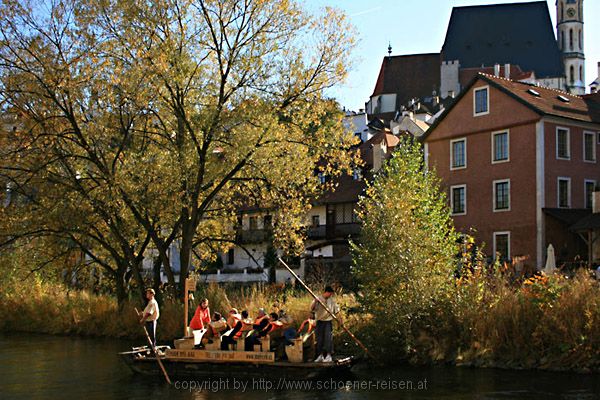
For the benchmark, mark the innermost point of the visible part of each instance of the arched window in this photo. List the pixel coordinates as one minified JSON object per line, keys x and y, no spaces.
{"x":580,"y":40}
{"x":581,"y":73}
{"x":562,"y":37}
{"x":571,"y":39}
{"x":572,"y":75}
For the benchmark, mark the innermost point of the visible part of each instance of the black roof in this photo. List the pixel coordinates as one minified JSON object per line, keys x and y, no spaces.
{"x":519,"y":34}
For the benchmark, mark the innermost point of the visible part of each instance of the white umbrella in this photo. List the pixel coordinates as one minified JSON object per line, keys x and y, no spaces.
{"x":550,"y":260}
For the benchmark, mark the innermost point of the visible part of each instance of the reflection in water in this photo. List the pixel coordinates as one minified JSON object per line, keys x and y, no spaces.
{"x":54,"y":367}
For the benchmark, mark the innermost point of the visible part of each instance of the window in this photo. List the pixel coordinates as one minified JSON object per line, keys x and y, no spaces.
{"x":500,"y":147}
{"x":564,"y":192}
{"x":502,"y":245}
{"x":268,"y":222}
{"x":322,"y":178}
{"x":581,"y":73}
{"x":589,"y":147}
{"x":230,"y":257}
{"x":458,"y":199}
{"x":253,"y":223}
{"x":345,"y":213}
{"x":481,"y":101}
{"x":315,"y":221}
{"x":590,"y":186}
{"x":571,"y":40}
{"x":458,"y":153}
{"x":580,"y":41}
{"x":572,"y":77}
{"x":563,"y":149}
{"x":502,"y":195}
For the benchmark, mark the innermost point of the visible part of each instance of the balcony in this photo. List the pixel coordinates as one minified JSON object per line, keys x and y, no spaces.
{"x":334,"y":231}
{"x":253,"y":236}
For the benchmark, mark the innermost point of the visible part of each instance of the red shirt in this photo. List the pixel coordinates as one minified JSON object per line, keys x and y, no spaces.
{"x":200,"y":319}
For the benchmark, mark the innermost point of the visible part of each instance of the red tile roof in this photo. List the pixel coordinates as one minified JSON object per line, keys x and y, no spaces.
{"x":408,"y":76}
{"x":548,"y":101}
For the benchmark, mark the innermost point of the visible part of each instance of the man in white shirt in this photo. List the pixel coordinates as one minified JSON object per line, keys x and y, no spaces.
{"x":324,"y":328}
{"x":150,"y":315}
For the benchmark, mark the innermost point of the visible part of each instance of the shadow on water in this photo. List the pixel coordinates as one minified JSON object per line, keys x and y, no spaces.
{"x":59,"y":367}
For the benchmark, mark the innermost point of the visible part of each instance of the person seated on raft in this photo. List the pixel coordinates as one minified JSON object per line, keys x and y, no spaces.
{"x":260,"y":328}
{"x":310,"y":323}
{"x":216,"y":327}
{"x":235,"y":325}
{"x":201,"y":317}
{"x":281,"y":333}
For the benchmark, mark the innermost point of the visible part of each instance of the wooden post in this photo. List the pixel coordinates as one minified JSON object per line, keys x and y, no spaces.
{"x":190,"y":286}
{"x":590,"y":249}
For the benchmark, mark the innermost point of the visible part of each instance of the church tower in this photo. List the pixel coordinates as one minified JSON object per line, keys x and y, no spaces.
{"x":569,"y":33}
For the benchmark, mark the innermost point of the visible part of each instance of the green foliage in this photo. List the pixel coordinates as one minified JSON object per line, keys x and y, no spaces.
{"x":405,"y":259}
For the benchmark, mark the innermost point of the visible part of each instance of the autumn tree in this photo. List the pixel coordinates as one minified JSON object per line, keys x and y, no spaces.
{"x":404,"y":262}
{"x":154,"y":122}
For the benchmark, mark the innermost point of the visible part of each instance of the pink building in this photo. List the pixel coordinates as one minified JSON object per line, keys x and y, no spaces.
{"x":520,"y":164}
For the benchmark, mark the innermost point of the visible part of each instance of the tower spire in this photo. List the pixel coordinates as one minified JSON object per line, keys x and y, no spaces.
{"x":569,"y":33}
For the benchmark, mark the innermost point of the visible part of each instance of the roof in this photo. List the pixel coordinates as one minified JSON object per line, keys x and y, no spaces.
{"x":589,"y":222}
{"x":516,"y":73}
{"x":518,"y":33}
{"x":568,"y":216}
{"x":347,"y":190}
{"x":409,"y":76}
{"x":544,"y":101}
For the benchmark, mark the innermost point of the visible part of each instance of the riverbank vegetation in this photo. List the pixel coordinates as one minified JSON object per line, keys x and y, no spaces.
{"x":434,"y":298}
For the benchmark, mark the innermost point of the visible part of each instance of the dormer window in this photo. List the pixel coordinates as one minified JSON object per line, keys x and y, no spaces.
{"x":481,"y":101}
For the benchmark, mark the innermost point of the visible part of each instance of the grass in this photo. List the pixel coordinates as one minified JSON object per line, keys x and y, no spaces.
{"x":36,"y":305}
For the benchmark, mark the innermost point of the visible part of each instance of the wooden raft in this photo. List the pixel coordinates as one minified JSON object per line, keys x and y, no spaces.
{"x":255,"y":357}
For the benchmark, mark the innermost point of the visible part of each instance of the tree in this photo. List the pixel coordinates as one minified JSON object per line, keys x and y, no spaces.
{"x":405,"y":258}
{"x":163,"y":118}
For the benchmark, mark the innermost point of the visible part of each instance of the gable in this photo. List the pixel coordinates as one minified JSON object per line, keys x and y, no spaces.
{"x":459,"y":120}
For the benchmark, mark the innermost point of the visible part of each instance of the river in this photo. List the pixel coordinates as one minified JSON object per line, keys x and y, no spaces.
{"x":60,"y":367}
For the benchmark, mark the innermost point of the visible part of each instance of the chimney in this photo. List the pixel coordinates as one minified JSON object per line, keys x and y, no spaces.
{"x":596,"y":202}
{"x":507,"y":71}
{"x":497,"y":70}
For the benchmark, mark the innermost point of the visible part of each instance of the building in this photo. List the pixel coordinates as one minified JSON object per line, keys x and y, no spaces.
{"x":595,"y":86}
{"x":520,"y":164}
{"x":516,"y":41}
{"x":330,"y":224}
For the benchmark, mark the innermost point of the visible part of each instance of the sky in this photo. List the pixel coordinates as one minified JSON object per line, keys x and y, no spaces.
{"x":419,"y":26}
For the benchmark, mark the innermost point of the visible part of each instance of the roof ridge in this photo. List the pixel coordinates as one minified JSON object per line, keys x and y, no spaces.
{"x":535,"y":85}
{"x":500,"y":5}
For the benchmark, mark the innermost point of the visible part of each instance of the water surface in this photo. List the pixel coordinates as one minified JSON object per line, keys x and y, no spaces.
{"x":61,"y":367}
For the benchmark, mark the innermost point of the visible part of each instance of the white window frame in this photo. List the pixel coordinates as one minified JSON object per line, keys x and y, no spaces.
{"x":593,"y":135}
{"x":464,"y":186}
{"x":507,"y":233}
{"x":494,"y":195}
{"x":568,"y":143}
{"x":507,"y":131}
{"x":452,"y":168}
{"x":563,"y":178}
{"x":585,"y":182}
{"x":478,"y":89}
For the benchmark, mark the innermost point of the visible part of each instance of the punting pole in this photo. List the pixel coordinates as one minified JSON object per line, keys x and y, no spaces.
{"x":358,"y":342}
{"x":162,"y":367}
